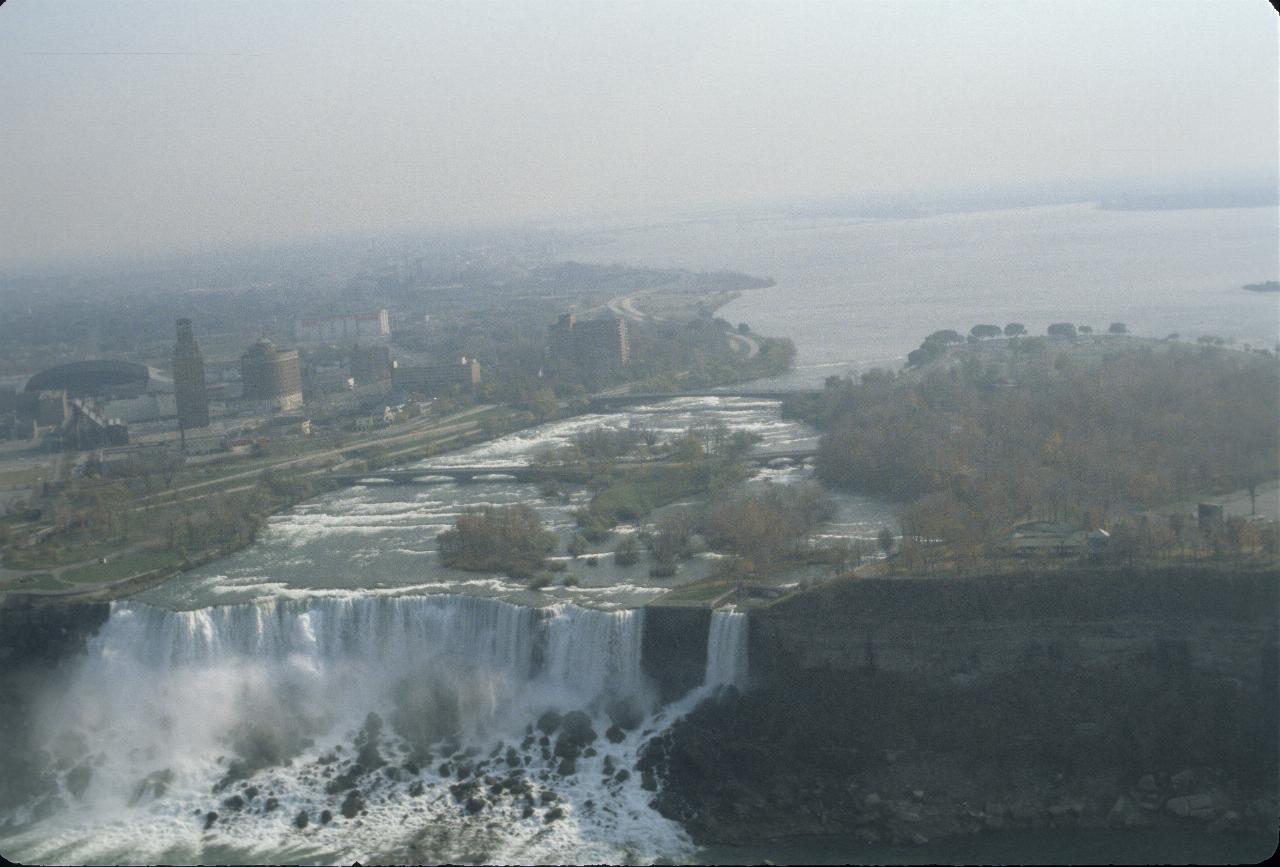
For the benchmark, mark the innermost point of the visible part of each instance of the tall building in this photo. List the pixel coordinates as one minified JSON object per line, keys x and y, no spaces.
{"x":269,"y":375}
{"x":188,"y":380}
{"x":372,"y":325}
{"x":435,"y":379}
{"x":590,"y":344}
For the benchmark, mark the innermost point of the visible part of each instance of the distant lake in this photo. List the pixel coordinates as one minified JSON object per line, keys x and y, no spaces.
{"x":855,"y":293}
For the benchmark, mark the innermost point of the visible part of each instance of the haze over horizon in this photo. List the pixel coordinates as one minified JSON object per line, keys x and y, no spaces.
{"x":150,"y":129}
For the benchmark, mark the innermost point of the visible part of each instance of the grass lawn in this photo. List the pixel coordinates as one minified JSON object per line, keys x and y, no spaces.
{"x":122,"y":567}
{"x":36,"y":581}
{"x":700,"y":591}
{"x":23,"y":476}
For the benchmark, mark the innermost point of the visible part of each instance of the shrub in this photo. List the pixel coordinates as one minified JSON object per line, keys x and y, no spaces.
{"x":628,"y":552}
{"x":497,"y":539}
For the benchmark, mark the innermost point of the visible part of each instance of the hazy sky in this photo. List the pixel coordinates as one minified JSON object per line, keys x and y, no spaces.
{"x":167,"y":126}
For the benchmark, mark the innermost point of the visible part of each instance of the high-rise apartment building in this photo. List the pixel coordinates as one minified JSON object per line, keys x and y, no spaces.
{"x":370,"y":325}
{"x":436,"y":379}
{"x":593,"y":343}
{"x":188,"y":380}
{"x":267,"y":374}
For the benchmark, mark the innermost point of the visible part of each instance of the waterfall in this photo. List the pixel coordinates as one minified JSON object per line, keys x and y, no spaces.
{"x":173,"y":716}
{"x":367,"y":646}
{"x":727,"y":649}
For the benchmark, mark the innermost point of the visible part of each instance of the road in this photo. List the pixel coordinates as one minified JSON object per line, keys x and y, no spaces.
{"x":447,"y":425}
{"x":745,"y":340}
{"x":624,"y":307}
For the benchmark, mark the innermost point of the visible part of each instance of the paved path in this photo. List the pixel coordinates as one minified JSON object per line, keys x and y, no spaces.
{"x":745,"y":340}
{"x":624,"y":307}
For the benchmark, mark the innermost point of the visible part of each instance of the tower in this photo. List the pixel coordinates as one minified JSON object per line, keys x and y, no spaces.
{"x":270,"y":375}
{"x":188,"y":380}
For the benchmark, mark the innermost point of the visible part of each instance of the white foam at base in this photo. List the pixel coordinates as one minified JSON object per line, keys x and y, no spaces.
{"x":167,"y":691}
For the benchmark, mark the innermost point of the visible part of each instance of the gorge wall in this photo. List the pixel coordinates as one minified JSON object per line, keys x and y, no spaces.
{"x":966,"y":629}
{"x":899,"y":711}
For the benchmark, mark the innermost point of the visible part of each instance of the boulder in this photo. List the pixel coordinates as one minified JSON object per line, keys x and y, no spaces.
{"x":475,"y":805}
{"x":416,"y":789}
{"x":209,"y":818}
{"x":1228,"y":821}
{"x":903,"y":815}
{"x":77,"y":780}
{"x":156,"y":783}
{"x":549,"y":722}
{"x":325,"y":817}
{"x":270,"y":805}
{"x":553,"y":814}
{"x":1024,"y":812}
{"x":575,"y":730}
{"x":625,"y":714}
{"x":1192,"y":807}
{"x":300,"y":821}
{"x":568,"y":766}
{"x":352,"y":804}
{"x":615,"y":734}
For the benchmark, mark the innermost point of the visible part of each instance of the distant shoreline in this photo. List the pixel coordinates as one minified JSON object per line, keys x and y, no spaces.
{"x":1268,"y":286}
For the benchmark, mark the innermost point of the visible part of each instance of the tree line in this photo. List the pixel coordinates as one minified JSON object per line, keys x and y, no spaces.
{"x":1044,"y":432}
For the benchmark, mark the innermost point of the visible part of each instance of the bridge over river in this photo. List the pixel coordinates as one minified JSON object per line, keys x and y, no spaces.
{"x":527,"y":472}
{"x":605,"y":401}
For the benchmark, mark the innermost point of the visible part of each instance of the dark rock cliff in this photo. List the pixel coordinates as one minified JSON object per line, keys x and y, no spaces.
{"x":38,"y":643}
{"x":899,"y":711}
{"x":674,"y":650}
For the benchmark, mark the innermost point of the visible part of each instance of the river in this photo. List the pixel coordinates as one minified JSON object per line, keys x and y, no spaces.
{"x":341,"y":608}
{"x":261,"y":669}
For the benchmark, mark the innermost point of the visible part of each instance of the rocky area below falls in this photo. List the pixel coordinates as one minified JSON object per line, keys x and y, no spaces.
{"x":889,"y":763}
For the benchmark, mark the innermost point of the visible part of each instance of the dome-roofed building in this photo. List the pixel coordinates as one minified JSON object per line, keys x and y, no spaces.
{"x":102,"y":379}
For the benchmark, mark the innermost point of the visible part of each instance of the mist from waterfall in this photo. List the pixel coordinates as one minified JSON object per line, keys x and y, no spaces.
{"x":173,"y":712}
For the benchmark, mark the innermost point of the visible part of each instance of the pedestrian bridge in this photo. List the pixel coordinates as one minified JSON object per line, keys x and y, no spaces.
{"x":605,"y":402}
